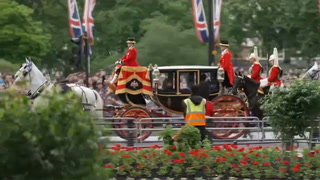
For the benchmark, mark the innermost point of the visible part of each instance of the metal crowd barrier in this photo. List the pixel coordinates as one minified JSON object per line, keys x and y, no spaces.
{"x":136,"y":125}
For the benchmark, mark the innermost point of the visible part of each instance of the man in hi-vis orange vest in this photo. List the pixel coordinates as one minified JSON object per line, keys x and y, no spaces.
{"x":195,"y":111}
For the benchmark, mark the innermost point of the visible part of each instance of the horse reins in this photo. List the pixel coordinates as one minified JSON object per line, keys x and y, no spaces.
{"x":39,"y":90}
{"x":314,"y":76}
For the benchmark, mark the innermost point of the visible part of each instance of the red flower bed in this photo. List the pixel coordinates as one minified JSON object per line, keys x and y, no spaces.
{"x":222,"y":161}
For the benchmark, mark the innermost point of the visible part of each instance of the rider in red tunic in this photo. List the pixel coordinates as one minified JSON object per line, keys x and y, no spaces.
{"x":226,"y":63}
{"x":275,"y":72}
{"x":256,"y":68}
{"x":130,"y":59}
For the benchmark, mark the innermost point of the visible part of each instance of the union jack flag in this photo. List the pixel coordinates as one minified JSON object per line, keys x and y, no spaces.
{"x":217,"y":6}
{"x":199,"y":20}
{"x":88,"y":21}
{"x":74,"y":20}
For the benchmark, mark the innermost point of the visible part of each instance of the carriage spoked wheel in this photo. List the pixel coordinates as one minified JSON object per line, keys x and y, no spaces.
{"x":229,"y":106}
{"x":118,"y":123}
{"x":139,"y":133}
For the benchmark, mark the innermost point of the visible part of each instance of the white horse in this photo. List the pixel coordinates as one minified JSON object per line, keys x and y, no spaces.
{"x":38,"y":84}
{"x":312,"y":73}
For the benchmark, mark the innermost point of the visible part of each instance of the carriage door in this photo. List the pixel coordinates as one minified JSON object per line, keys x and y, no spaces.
{"x":187,"y":78}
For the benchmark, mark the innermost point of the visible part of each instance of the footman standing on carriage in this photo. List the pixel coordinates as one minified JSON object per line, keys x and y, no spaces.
{"x":275,"y":72}
{"x":256,"y":69}
{"x":226,"y":63}
{"x":130,"y":59}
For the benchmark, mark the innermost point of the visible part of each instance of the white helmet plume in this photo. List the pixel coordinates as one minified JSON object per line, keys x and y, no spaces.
{"x":255,"y":51}
{"x":254,"y":54}
{"x":274,"y":57}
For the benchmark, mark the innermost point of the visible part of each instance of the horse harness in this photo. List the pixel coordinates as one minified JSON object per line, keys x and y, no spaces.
{"x":314,"y":76}
{"x":83,"y":94}
{"x":253,"y":93}
{"x":39,"y":90}
{"x":47,"y":83}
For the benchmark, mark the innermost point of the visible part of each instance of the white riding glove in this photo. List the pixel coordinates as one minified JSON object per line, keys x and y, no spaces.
{"x":264,"y":82}
{"x":118,"y":62}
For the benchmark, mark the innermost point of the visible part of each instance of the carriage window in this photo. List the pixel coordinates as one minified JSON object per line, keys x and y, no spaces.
{"x":167,"y":82}
{"x":210,"y":76}
{"x":205,"y":76}
{"x":187,"y":79}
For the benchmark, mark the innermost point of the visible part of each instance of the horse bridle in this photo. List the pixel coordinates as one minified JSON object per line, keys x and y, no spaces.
{"x":314,"y":76}
{"x":34,"y":95}
{"x":242,"y":81}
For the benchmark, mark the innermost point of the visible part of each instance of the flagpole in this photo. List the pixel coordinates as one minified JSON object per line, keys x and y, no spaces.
{"x":267,"y":64}
{"x":87,"y":54}
{"x":211,"y":34}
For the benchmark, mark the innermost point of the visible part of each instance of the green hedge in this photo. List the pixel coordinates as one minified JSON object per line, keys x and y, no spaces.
{"x":292,"y":110}
{"x":54,"y":142}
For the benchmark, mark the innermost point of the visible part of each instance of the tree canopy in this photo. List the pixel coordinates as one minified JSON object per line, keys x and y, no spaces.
{"x":163,"y":29}
{"x":20,"y":34}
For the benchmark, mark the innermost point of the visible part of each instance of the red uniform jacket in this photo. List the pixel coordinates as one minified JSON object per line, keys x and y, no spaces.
{"x":255,"y":71}
{"x":130,"y":59}
{"x":274,"y":76}
{"x":226,"y":64}
{"x":209,"y":108}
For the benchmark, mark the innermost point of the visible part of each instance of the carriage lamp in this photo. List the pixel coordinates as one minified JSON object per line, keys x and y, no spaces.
{"x":149,"y":67}
{"x":156,"y":74}
{"x":220,"y":76}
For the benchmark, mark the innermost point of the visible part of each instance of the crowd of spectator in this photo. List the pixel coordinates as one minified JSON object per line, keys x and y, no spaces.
{"x":96,"y":81}
{"x":6,"y":80}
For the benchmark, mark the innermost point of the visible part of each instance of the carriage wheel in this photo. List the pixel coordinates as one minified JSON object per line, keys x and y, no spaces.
{"x":118,"y":123}
{"x":135,"y":112}
{"x":229,"y":106}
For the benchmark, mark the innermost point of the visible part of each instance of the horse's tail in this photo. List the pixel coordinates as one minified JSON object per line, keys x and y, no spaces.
{"x":99,"y":104}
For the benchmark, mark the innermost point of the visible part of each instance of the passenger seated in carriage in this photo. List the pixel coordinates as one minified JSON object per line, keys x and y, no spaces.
{"x":206,"y":79}
{"x":167,"y":85}
{"x":130,"y":59}
{"x":187,"y":80}
{"x":184,"y":86}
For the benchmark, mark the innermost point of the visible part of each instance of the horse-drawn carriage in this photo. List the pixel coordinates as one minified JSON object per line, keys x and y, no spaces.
{"x":167,"y":87}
